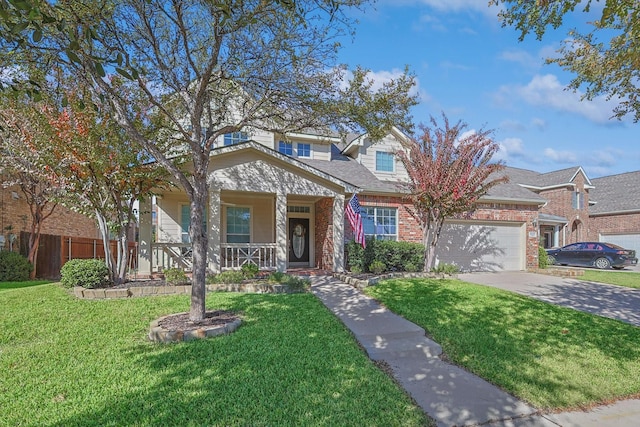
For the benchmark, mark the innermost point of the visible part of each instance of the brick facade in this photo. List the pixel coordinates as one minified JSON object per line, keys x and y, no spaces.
{"x":613,"y":224}
{"x":324,"y":234}
{"x":560,"y":203}
{"x":15,"y":217}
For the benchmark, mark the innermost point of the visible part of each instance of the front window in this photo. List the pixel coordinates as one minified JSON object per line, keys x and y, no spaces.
{"x":285,"y":148}
{"x":578,"y":200}
{"x":380,"y":223}
{"x":238,"y":225}
{"x":304,"y":150}
{"x":235,"y":138}
{"x":185,"y":222}
{"x":384,"y":161}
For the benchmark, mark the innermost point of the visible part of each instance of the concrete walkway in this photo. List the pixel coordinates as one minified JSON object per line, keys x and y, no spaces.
{"x":447,"y":393}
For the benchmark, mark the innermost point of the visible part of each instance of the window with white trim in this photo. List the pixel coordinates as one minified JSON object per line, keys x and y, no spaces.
{"x":380,"y":223}
{"x":384,"y":161}
{"x":238,"y":224}
{"x":235,"y":138}
{"x":185,"y":222}
{"x":304,"y":150}
{"x":285,"y":148}
{"x":577,"y":200}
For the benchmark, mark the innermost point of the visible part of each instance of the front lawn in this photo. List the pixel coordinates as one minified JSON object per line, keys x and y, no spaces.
{"x":66,"y":362}
{"x":25,"y":284}
{"x":620,"y":278}
{"x":551,"y":356}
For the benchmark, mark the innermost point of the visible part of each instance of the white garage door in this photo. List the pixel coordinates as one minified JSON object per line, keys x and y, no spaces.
{"x":627,"y":241}
{"x":482,"y":246}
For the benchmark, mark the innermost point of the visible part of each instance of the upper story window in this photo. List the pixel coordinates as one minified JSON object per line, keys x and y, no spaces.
{"x":304,"y":150}
{"x":384,"y":161}
{"x":577,"y":200}
{"x":285,"y":148}
{"x":235,"y":138}
{"x":380,"y":223}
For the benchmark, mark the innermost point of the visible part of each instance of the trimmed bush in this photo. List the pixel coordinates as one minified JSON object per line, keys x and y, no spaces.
{"x":226,"y":277}
{"x":446,"y":269}
{"x":88,"y":273}
{"x":14,"y":267}
{"x":543,"y":258}
{"x":175,"y":276}
{"x":249,"y":270}
{"x":377,"y":267}
{"x":396,"y":255}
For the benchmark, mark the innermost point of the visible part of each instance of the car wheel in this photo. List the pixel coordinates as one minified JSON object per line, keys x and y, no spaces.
{"x":602,"y":263}
{"x":551,"y":260}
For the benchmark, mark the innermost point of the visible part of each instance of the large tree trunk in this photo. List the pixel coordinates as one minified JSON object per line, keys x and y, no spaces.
{"x":430,"y":237}
{"x":108,"y":256}
{"x":198,"y":235}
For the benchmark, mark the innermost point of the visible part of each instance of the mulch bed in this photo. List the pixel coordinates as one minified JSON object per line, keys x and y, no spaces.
{"x":181,"y":321}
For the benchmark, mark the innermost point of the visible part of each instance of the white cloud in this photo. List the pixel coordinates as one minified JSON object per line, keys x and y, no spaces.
{"x":539,"y":123}
{"x":547,"y":91}
{"x":510,"y":150}
{"x":379,"y":78}
{"x":560,"y":156}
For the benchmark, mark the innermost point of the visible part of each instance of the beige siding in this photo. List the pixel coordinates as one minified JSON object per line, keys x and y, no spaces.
{"x":250,"y":172}
{"x":169,"y":210}
{"x":367,"y":156}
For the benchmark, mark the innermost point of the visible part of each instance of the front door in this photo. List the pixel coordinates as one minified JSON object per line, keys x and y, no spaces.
{"x":299,"y":241}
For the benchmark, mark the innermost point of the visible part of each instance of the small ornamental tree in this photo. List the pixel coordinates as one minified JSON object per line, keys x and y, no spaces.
{"x":448,"y":172}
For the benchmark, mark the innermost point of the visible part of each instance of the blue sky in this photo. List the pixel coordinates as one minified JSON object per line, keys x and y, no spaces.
{"x":472,"y":69}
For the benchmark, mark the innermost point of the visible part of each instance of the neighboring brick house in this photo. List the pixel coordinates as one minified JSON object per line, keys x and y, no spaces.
{"x":15,"y":217}
{"x":577,"y":208}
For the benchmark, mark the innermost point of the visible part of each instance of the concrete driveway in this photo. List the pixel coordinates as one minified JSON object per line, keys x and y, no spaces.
{"x":611,"y":301}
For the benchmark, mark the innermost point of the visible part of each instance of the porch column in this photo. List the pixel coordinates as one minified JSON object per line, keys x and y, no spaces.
{"x":556,"y":236}
{"x":213,"y":233}
{"x":338,"y":233}
{"x":144,"y":237}
{"x":281,"y":232}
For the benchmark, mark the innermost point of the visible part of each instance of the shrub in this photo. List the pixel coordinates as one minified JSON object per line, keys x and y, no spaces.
{"x":296,"y":283}
{"x":88,"y":273}
{"x":14,"y":267}
{"x":446,"y":269}
{"x":395,"y":254}
{"x":377,"y":267}
{"x":355,"y":269}
{"x":175,"y":276}
{"x":410,"y":267}
{"x":543,"y":258}
{"x":249,"y":270}
{"x":276,"y":277}
{"x":226,"y":277}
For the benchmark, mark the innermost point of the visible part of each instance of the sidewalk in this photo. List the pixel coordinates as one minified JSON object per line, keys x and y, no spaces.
{"x":447,"y":393}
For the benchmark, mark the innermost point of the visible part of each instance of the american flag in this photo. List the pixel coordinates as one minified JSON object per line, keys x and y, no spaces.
{"x":355,"y":219}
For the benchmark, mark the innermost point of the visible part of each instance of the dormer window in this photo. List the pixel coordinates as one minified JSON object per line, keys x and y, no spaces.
{"x":304,"y":150}
{"x":285,"y":148}
{"x":235,"y":138}
{"x":384,"y":161}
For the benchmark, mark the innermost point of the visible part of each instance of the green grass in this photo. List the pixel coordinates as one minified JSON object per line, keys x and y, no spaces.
{"x":552,"y":357}
{"x":25,"y":284}
{"x":66,"y":362}
{"x":620,"y":278}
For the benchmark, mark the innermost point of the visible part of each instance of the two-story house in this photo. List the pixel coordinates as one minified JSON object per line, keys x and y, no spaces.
{"x":279,"y":202}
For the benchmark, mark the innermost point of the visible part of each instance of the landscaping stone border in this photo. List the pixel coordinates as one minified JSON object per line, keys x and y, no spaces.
{"x":363,"y":283}
{"x":159,"y":334}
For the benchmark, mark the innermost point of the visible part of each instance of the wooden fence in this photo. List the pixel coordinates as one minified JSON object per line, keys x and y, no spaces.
{"x":55,"y":251}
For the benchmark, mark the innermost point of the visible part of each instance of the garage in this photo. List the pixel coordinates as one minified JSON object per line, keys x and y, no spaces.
{"x":627,"y":241}
{"x":483,"y":246}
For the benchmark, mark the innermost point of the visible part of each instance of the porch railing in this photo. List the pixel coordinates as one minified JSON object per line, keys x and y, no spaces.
{"x":171,"y":255}
{"x":235,"y":255}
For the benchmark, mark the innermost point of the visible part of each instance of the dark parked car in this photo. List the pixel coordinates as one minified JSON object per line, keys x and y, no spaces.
{"x":593,"y":254}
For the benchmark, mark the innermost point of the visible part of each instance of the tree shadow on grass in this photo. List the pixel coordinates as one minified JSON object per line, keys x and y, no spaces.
{"x":550,"y":356}
{"x":290,"y":363}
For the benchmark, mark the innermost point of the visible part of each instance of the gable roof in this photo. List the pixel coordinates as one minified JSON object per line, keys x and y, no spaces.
{"x":616,"y":194}
{"x":544,"y":181}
